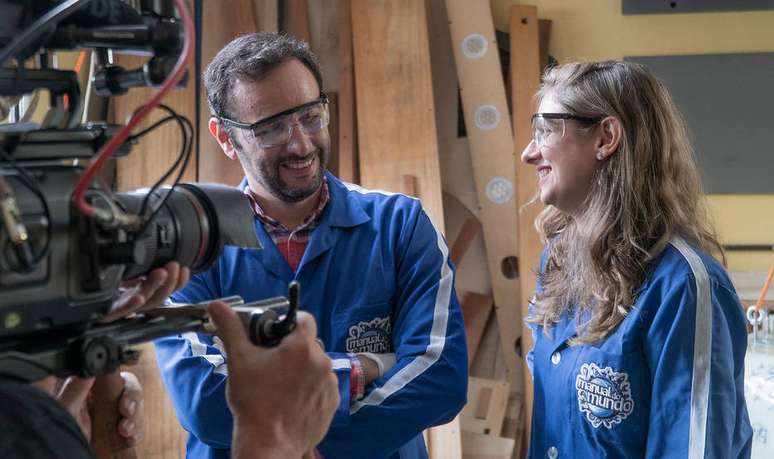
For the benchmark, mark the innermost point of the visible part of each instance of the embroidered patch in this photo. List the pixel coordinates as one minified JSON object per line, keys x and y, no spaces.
{"x":604,"y":395}
{"x":372,"y":336}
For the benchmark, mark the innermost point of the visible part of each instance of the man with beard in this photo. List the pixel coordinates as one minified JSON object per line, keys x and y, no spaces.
{"x":374,"y":271}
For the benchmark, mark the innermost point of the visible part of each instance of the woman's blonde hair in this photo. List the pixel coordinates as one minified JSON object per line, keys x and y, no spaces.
{"x":641,"y":196}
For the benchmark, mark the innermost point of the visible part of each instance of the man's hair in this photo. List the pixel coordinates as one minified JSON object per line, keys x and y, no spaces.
{"x":250,"y":58}
{"x":641,"y":196}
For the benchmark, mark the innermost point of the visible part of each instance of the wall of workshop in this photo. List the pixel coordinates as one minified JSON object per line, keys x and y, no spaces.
{"x":596,"y":30}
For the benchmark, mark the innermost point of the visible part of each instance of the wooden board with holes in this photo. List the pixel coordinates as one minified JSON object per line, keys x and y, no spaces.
{"x":453,"y":150}
{"x":395,"y":116}
{"x":492,"y":157}
{"x":525,"y":79}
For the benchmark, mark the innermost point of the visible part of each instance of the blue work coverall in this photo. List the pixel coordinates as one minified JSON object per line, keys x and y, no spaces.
{"x":667,"y":383}
{"x":377,"y":278}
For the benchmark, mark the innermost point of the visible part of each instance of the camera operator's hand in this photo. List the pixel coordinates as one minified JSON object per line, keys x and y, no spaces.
{"x":282,"y":398}
{"x":148,"y":292}
{"x":74,"y":396}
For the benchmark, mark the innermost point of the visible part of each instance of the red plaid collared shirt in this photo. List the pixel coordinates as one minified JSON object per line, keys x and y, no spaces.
{"x":291,"y":242}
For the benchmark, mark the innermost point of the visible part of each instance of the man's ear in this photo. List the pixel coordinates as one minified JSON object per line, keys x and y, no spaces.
{"x":222,"y":137}
{"x":609,"y":140}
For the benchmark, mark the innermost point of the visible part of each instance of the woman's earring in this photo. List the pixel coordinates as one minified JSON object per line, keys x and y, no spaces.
{"x":600,"y":155}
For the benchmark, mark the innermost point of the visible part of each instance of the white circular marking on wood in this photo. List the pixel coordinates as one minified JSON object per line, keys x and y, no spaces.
{"x":486,"y":117}
{"x":499,"y":190}
{"x":474,"y":46}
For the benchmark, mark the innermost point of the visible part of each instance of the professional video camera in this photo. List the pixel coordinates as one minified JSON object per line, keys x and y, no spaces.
{"x":66,"y":241}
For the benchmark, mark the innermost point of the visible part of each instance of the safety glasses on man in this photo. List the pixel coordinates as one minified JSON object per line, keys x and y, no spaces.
{"x":277,"y":129}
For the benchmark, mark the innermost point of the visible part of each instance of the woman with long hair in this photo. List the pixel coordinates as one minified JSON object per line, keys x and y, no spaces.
{"x":639,"y":335}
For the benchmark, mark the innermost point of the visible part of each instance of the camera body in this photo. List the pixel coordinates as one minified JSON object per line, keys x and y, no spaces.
{"x":60,"y":270}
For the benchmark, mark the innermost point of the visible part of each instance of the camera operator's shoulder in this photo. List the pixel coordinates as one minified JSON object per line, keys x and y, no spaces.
{"x":36,"y":425}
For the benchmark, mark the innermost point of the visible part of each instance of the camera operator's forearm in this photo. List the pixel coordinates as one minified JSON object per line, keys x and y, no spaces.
{"x":276,"y":412}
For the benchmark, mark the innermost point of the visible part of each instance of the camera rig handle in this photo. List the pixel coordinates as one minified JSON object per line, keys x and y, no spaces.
{"x":267,"y":321}
{"x":100,"y":350}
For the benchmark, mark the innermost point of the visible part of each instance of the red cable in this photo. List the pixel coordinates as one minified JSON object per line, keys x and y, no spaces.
{"x":107,"y":150}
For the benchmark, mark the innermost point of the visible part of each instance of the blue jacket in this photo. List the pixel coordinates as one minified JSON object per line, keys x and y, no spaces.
{"x":667,"y":383}
{"x":376,"y":276}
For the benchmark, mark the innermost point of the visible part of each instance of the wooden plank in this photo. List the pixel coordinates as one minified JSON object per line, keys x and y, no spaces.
{"x":445,"y":442}
{"x":333,"y":131}
{"x":492,"y":156}
{"x":265,"y":15}
{"x":487,"y":361}
{"x":544,"y":35}
{"x":485,"y":410}
{"x":222,"y":22}
{"x":472,"y":271}
{"x":324,"y":39}
{"x":164,"y":438}
{"x":297,"y":19}
{"x":470,"y":229}
{"x":478,"y":446}
{"x":476,"y":309}
{"x":525,"y":75}
{"x":347,"y":137}
{"x":445,"y":87}
{"x":396,"y":122}
{"x":454,"y":151}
